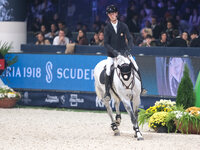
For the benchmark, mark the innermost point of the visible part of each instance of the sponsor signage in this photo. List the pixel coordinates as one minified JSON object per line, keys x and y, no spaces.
{"x":52,"y":72}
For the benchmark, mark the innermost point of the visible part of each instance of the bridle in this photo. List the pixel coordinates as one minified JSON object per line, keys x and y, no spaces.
{"x":124,"y":75}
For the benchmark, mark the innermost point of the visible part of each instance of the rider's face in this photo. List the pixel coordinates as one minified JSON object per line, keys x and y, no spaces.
{"x":113,"y":16}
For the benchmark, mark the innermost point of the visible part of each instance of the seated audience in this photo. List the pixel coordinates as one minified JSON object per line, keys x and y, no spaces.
{"x":101,"y":38}
{"x":195,"y":39}
{"x":148,"y":42}
{"x":163,"y":40}
{"x":61,"y":26}
{"x":61,"y":39}
{"x":53,"y":32}
{"x":95,"y":39}
{"x":169,"y":30}
{"x":81,"y":38}
{"x":185,"y":36}
{"x":177,"y":41}
{"x":41,"y":40}
{"x":143,"y":34}
{"x":43,"y":29}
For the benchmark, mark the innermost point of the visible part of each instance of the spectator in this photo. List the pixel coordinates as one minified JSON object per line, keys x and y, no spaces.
{"x":133,"y":24}
{"x":169,"y":30}
{"x":81,"y":38}
{"x":195,"y":40}
{"x":53,"y":32}
{"x":43,"y":29}
{"x":185,"y":36}
{"x":95,"y":40}
{"x":61,"y":39}
{"x":177,"y":41}
{"x":41,"y":40}
{"x":155,"y":27}
{"x":61,"y":26}
{"x":101,"y":38}
{"x":144,"y":33}
{"x":148,"y":42}
{"x":163,"y":40}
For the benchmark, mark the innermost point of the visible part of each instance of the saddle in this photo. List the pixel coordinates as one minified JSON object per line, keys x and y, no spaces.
{"x":103,"y":74}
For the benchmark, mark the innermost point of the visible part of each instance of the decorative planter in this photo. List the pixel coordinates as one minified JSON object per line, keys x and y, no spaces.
{"x":161,"y":129}
{"x":7,"y":102}
{"x":191,"y":128}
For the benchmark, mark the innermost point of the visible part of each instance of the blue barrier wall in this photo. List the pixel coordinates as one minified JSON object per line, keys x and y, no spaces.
{"x":52,"y":72}
{"x":67,"y":72}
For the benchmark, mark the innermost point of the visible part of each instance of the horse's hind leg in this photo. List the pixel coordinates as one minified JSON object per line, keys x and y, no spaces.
{"x":129,"y":109}
{"x":110,"y":113}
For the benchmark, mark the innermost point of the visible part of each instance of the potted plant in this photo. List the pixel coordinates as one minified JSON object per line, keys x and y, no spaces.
{"x":186,"y":121}
{"x":8,"y":97}
{"x":160,"y":106}
{"x":158,"y":122}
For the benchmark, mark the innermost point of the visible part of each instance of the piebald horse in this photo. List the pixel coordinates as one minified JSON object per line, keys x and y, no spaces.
{"x":125,"y":87}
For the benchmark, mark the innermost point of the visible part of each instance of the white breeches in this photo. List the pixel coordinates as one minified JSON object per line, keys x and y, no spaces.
{"x":133,"y":61}
{"x":109,"y":63}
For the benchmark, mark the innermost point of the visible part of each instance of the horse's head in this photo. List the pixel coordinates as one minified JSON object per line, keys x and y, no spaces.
{"x":124,"y":65}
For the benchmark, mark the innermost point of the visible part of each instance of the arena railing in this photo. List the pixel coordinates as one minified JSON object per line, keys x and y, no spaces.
{"x":100,"y":50}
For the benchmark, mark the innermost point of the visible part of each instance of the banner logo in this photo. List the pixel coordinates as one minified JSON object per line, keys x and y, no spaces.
{"x":49,"y":75}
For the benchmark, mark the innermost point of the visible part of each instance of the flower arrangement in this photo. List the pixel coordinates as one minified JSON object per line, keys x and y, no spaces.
{"x":158,"y":120}
{"x":7,"y":92}
{"x":193,"y":110}
{"x":187,"y":121}
{"x":160,"y":106}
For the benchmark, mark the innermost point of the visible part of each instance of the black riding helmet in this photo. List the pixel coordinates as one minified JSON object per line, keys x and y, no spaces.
{"x":111,"y":9}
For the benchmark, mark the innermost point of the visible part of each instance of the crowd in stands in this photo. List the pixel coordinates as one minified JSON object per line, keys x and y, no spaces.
{"x":173,"y":23}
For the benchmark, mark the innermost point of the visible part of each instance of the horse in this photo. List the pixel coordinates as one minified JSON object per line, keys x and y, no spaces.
{"x":125,"y":87}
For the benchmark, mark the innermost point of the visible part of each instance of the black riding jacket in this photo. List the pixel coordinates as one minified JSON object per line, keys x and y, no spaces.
{"x":117,"y":41}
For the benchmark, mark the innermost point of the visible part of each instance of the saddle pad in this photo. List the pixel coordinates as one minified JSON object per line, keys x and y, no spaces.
{"x":103,"y":74}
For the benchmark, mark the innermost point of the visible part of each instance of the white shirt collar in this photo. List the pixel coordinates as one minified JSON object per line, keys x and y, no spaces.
{"x":115,"y":26}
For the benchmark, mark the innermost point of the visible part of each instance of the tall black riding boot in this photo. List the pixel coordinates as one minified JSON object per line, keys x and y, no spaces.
{"x":107,"y":88}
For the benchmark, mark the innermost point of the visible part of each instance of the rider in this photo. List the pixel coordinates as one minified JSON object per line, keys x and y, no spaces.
{"x":116,"y":35}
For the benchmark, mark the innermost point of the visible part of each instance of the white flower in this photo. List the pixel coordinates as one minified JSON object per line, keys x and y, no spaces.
{"x":11,"y":95}
{"x":165,"y":102}
{"x":5,"y":87}
{"x":2,"y":95}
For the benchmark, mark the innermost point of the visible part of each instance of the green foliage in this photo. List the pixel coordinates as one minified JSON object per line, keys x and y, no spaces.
{"x":4,"y":48}
{"x":185,"y":94}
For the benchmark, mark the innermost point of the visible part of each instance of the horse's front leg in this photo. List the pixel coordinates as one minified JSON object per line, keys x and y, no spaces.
{"x":110,"y":113}
{"x":129,"y":109}
{"x":118,"y":114}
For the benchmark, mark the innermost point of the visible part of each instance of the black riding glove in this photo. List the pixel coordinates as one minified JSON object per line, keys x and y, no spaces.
{"x":127,"y":53}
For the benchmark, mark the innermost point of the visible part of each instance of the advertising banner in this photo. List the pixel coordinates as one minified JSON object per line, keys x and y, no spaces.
{"x":74,"y":100}
{"x":52,"y":72}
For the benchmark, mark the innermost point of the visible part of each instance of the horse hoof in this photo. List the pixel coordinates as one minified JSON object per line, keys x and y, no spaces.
{"x":140,"y":139}
{"x":117,"y":134}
